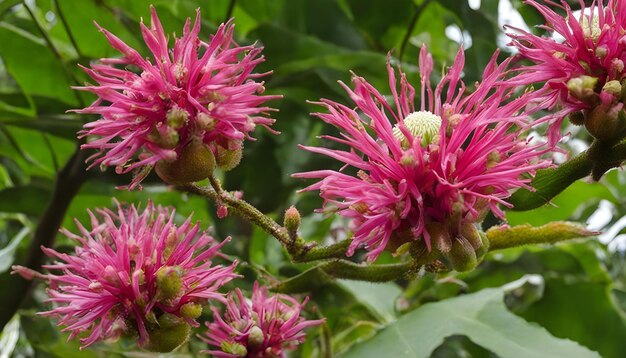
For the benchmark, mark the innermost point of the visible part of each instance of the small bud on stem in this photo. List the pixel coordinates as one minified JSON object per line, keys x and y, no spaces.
{"x":292,"y":222}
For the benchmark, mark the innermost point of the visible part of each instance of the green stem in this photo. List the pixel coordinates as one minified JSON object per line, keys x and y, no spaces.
{"x":337,"y":250}
{"x":67,"y":28}
{"x":370,"y":273}
{"x":411,"y":27}
{"x":250,"y":213}
{"x":68,"y":182}
{"x":550,"y":182}
{"x":298,"y":249}
{"x":229,"y":12}
{"x":324,"y":273}
{"x":502,"y":237}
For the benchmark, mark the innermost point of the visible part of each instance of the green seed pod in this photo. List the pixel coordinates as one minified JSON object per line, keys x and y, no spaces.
{"x":194,"y":163}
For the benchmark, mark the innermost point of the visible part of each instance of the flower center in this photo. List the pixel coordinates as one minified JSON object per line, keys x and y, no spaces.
{"x":591,"y":30}
{"x":421,"y":124}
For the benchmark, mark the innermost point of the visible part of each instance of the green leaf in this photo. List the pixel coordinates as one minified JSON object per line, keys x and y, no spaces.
{"x":24,"y":199}
{"x":80,"y":17}
{"x":380,"y":298}
{"x":9,"y":336}
{"x":480,"y":316}
{"x":6,"y":254}
{"x":564,"y":205}
{"x":33,"y":66}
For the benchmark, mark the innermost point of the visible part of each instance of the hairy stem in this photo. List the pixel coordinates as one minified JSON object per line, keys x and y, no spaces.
{"x":548,"y":183}
{"x":299,"y":250}
{"x":504,"y":237}
{"x":337,"y":251}
{"x":326,"y":272}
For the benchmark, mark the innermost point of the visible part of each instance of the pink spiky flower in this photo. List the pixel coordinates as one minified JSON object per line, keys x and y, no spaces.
{"x":263,"y":327}
{"x":583,"y":70}
{"x":134,"y":273}
{"x":197,"y":94}
{"x":428,"y":174}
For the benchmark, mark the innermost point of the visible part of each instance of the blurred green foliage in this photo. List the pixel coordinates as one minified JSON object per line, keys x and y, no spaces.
{"x":577,"y":291}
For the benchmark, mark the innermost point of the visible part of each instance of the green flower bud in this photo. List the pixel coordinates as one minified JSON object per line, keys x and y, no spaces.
{"x":613,"y":87}
{"x":234,"y":348}
{"x":484,"y":247}
{"x":439,"y":236}
{"x":255,"y":337}
{"x":577,"y":118}
{"x":205,"y":121}
{"x":169,"y":283}
{"x":471,"y":234}
{"x":408,"y":160}
{"x":591,"y":29}
{"x":194,"y":163}
{"x":292,"y":220}
{"x":176,"y":117}
{"x":228,"y":159}
{"x":493,"y":159}
{"x":601,"y":51}
{"x":170,"y":334}
{"x":582,"y":87}
{"x":462,"y":255}
{"x":164,"y":136}
{"x":606,"y":123}
{"x":191,"y":310}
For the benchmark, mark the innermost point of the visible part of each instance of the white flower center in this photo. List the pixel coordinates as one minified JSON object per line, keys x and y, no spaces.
{"x":421,"y":124}
{"x":591,"y":30}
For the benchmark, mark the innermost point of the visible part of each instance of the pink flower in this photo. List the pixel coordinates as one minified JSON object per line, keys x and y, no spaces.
{"x":132,"y":273}
{"x":583,"y":70}
{"x":428,"y":174}
{"x":195,"y":92}
{"x":265,"y":326}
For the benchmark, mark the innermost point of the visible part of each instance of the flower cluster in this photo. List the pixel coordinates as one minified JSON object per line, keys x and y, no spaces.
{"x":265,"y":326}
{"x":429,"y":173}
{"x":187,"y":110}
{"x":581,"y":63}
{"x":419,"y":174}
{"x":134,"y":273}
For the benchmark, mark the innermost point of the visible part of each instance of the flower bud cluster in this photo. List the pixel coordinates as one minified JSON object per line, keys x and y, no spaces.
{"x":264,"y":326}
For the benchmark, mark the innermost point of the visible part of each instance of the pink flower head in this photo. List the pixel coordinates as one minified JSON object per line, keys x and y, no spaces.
{"x":197,"y":91}
{"x":583,"y":66}
{"x":129,"y":271}
{"x":263,"y":327}
{"x":428,"y":173}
